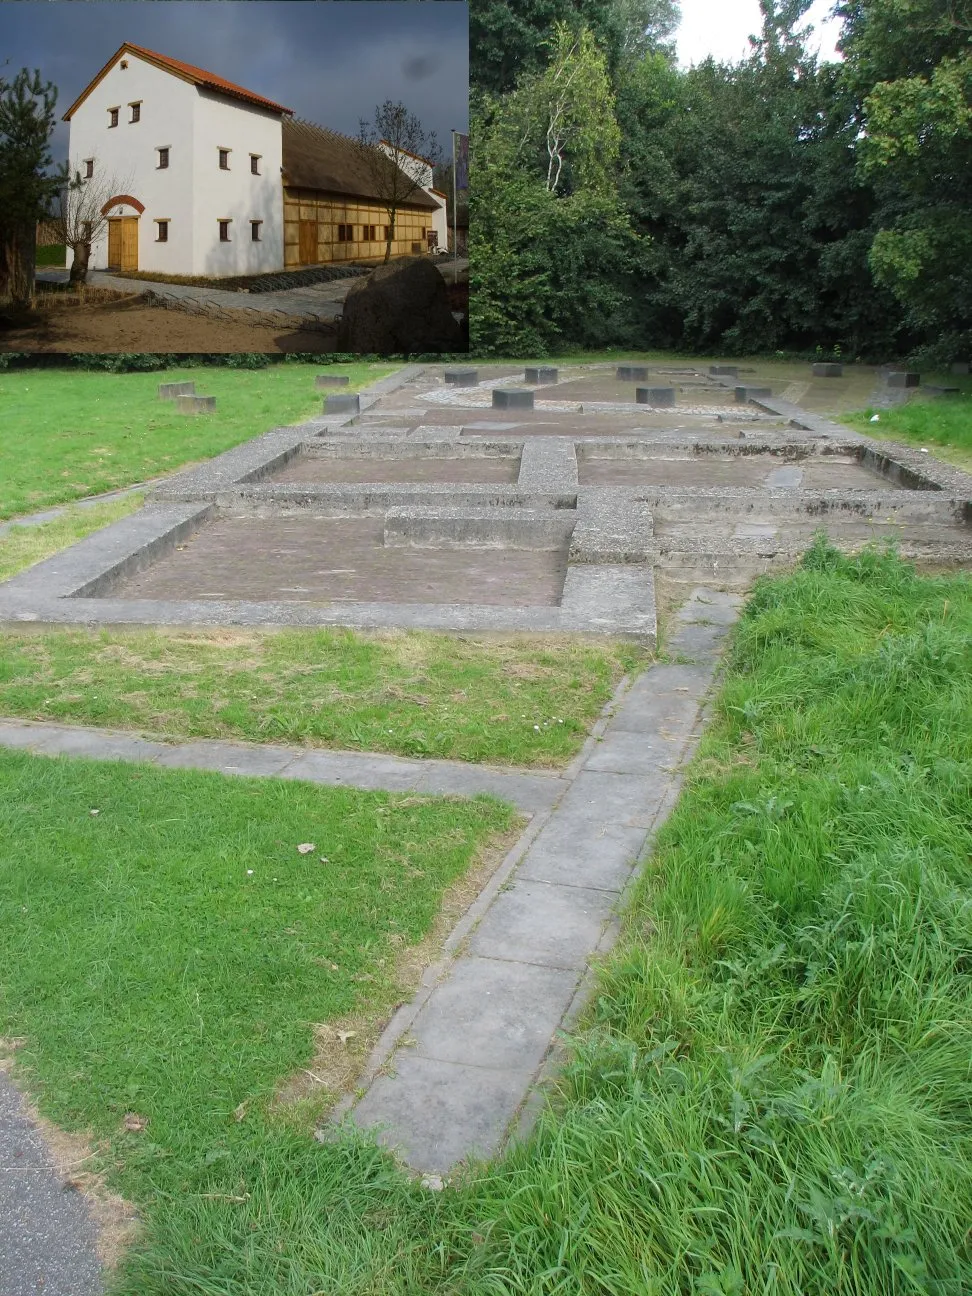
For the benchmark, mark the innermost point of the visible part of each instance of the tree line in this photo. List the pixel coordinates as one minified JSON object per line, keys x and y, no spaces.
{"x":774,"y":204}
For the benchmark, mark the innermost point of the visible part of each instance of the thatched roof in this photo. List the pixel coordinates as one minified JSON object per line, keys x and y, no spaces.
{"x":317,"y":158}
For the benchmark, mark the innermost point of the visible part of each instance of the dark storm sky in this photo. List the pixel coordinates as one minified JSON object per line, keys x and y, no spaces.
{"x":331,"y":61}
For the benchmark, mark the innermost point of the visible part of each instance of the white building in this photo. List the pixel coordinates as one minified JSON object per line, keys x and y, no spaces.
{"x":200,"y":184}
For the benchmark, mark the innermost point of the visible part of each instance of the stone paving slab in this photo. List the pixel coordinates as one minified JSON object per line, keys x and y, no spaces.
{"x":438,"y":1113}
{"x":532,"y":792}
{"x":459,"y":1065}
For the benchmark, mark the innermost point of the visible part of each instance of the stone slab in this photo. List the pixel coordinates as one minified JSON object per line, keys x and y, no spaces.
{"x":169,"y":391}
{"x":462,"y":377}
{"x":493,"y":1013}
{"x":196,"y":404}
{"x":536,"y":922}
{"x":827,"y":369}
{"x":959,"y":367}
{"x":541,"y":375}
{"x":342,"y":404}
{"x":626,"y":752}
{"x":662,"y":397}
{"x":331,"y":380}
{"x":352,"y":769}
{"x":632,"y":373}
{"x":99,"y":746}
{"x":903,"y":379}
{"x":227,"y":758}
{"x":623,"y":800}
{"x":724,"y":371}
{"x":531,"y":793}
{"x":596,"y":855}
{"x":512,"y":398}
{"x":437,"y":1114}
{"x":746,"y":394}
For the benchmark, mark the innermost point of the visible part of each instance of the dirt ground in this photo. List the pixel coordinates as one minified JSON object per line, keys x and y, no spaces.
{"x":132,"y":326}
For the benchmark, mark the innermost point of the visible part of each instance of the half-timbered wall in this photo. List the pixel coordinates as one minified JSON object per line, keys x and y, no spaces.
{"x":327,"y":213}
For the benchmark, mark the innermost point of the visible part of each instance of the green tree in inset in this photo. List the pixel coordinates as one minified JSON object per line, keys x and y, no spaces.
{"x":27,"y":183}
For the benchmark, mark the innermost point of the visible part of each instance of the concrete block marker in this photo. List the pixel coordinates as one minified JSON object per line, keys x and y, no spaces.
{"x":541,"y":376}
{"x":512,"y":398}
{"x":461,"y":377}
{"x":169,"y":391}
{"x":959,"y":368}
{"x":632,"y":373}
{"x":902,"y":378}
{"x":935,"y":389}
{"x":196,"y":404}
{"x":331,"y":380}
{"x":724,"y":371}
{"x":342,"y":404}
{"x":662,"y":397}
{"x":745,"y":394}
{"x":825,"y":369}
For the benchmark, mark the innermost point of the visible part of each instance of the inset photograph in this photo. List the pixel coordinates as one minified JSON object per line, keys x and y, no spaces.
{"x":258,"y":177}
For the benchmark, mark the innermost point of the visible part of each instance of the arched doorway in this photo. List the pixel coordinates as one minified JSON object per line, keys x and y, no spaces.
{"x":123,"y":231}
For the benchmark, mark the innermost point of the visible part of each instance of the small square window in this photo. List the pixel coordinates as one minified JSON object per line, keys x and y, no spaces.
{"x":255,"y":163}
{"x":224,"y":231}
{"x":255,"y":231}
{"x":163,"y":159}
{"x":88,"y":168}
{"x":224,"y":159}
{"x":113,"y":116}
{"x":163,"y":234}
{"x":136,"y":112}
{"x":345,"y":233}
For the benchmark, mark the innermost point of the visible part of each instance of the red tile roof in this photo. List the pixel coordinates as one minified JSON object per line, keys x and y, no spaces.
{"x":186,"y":71}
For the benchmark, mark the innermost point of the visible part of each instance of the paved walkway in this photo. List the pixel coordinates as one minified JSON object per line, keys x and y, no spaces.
{"x":531,"y":791}
{"x":459,"y":1065}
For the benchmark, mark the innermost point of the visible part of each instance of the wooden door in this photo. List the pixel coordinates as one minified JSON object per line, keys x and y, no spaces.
{"x":114,"y":244}
{"x":129,"y":243}
{"x":308,"y":242}
{"x":123,"y":243}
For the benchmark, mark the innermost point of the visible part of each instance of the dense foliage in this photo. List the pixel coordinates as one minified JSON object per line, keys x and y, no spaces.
{"x":777,"y":204}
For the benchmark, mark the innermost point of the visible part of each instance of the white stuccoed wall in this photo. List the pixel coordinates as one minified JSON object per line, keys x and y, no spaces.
{"x":236,"y":194}
{"x":421,"y":172}
{"x":191,"y":193}
{"x":127,"y":152}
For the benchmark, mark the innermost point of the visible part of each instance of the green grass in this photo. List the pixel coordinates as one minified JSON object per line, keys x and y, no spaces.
{"x":70,"y":434}
{"x":22,"y":546}
{"x":772,"y":1091}
{"x":54,"y":254}
{"x":943,"y":424}
{"x":168,"y":956}
{"x":518,"y":701}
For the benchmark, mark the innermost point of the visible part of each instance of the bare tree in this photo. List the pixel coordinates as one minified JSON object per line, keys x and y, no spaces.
{"x":84,"y":214}
{"x":395,"y":149}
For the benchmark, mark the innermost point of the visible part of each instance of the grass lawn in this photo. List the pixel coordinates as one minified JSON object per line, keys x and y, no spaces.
{"x":170,"y":955}
{"x":771,"y":1092}
{"x":943,"y":424}
{"x":517,"y":701}
{"x":69,"y":434}
{"x":22,"y":546}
